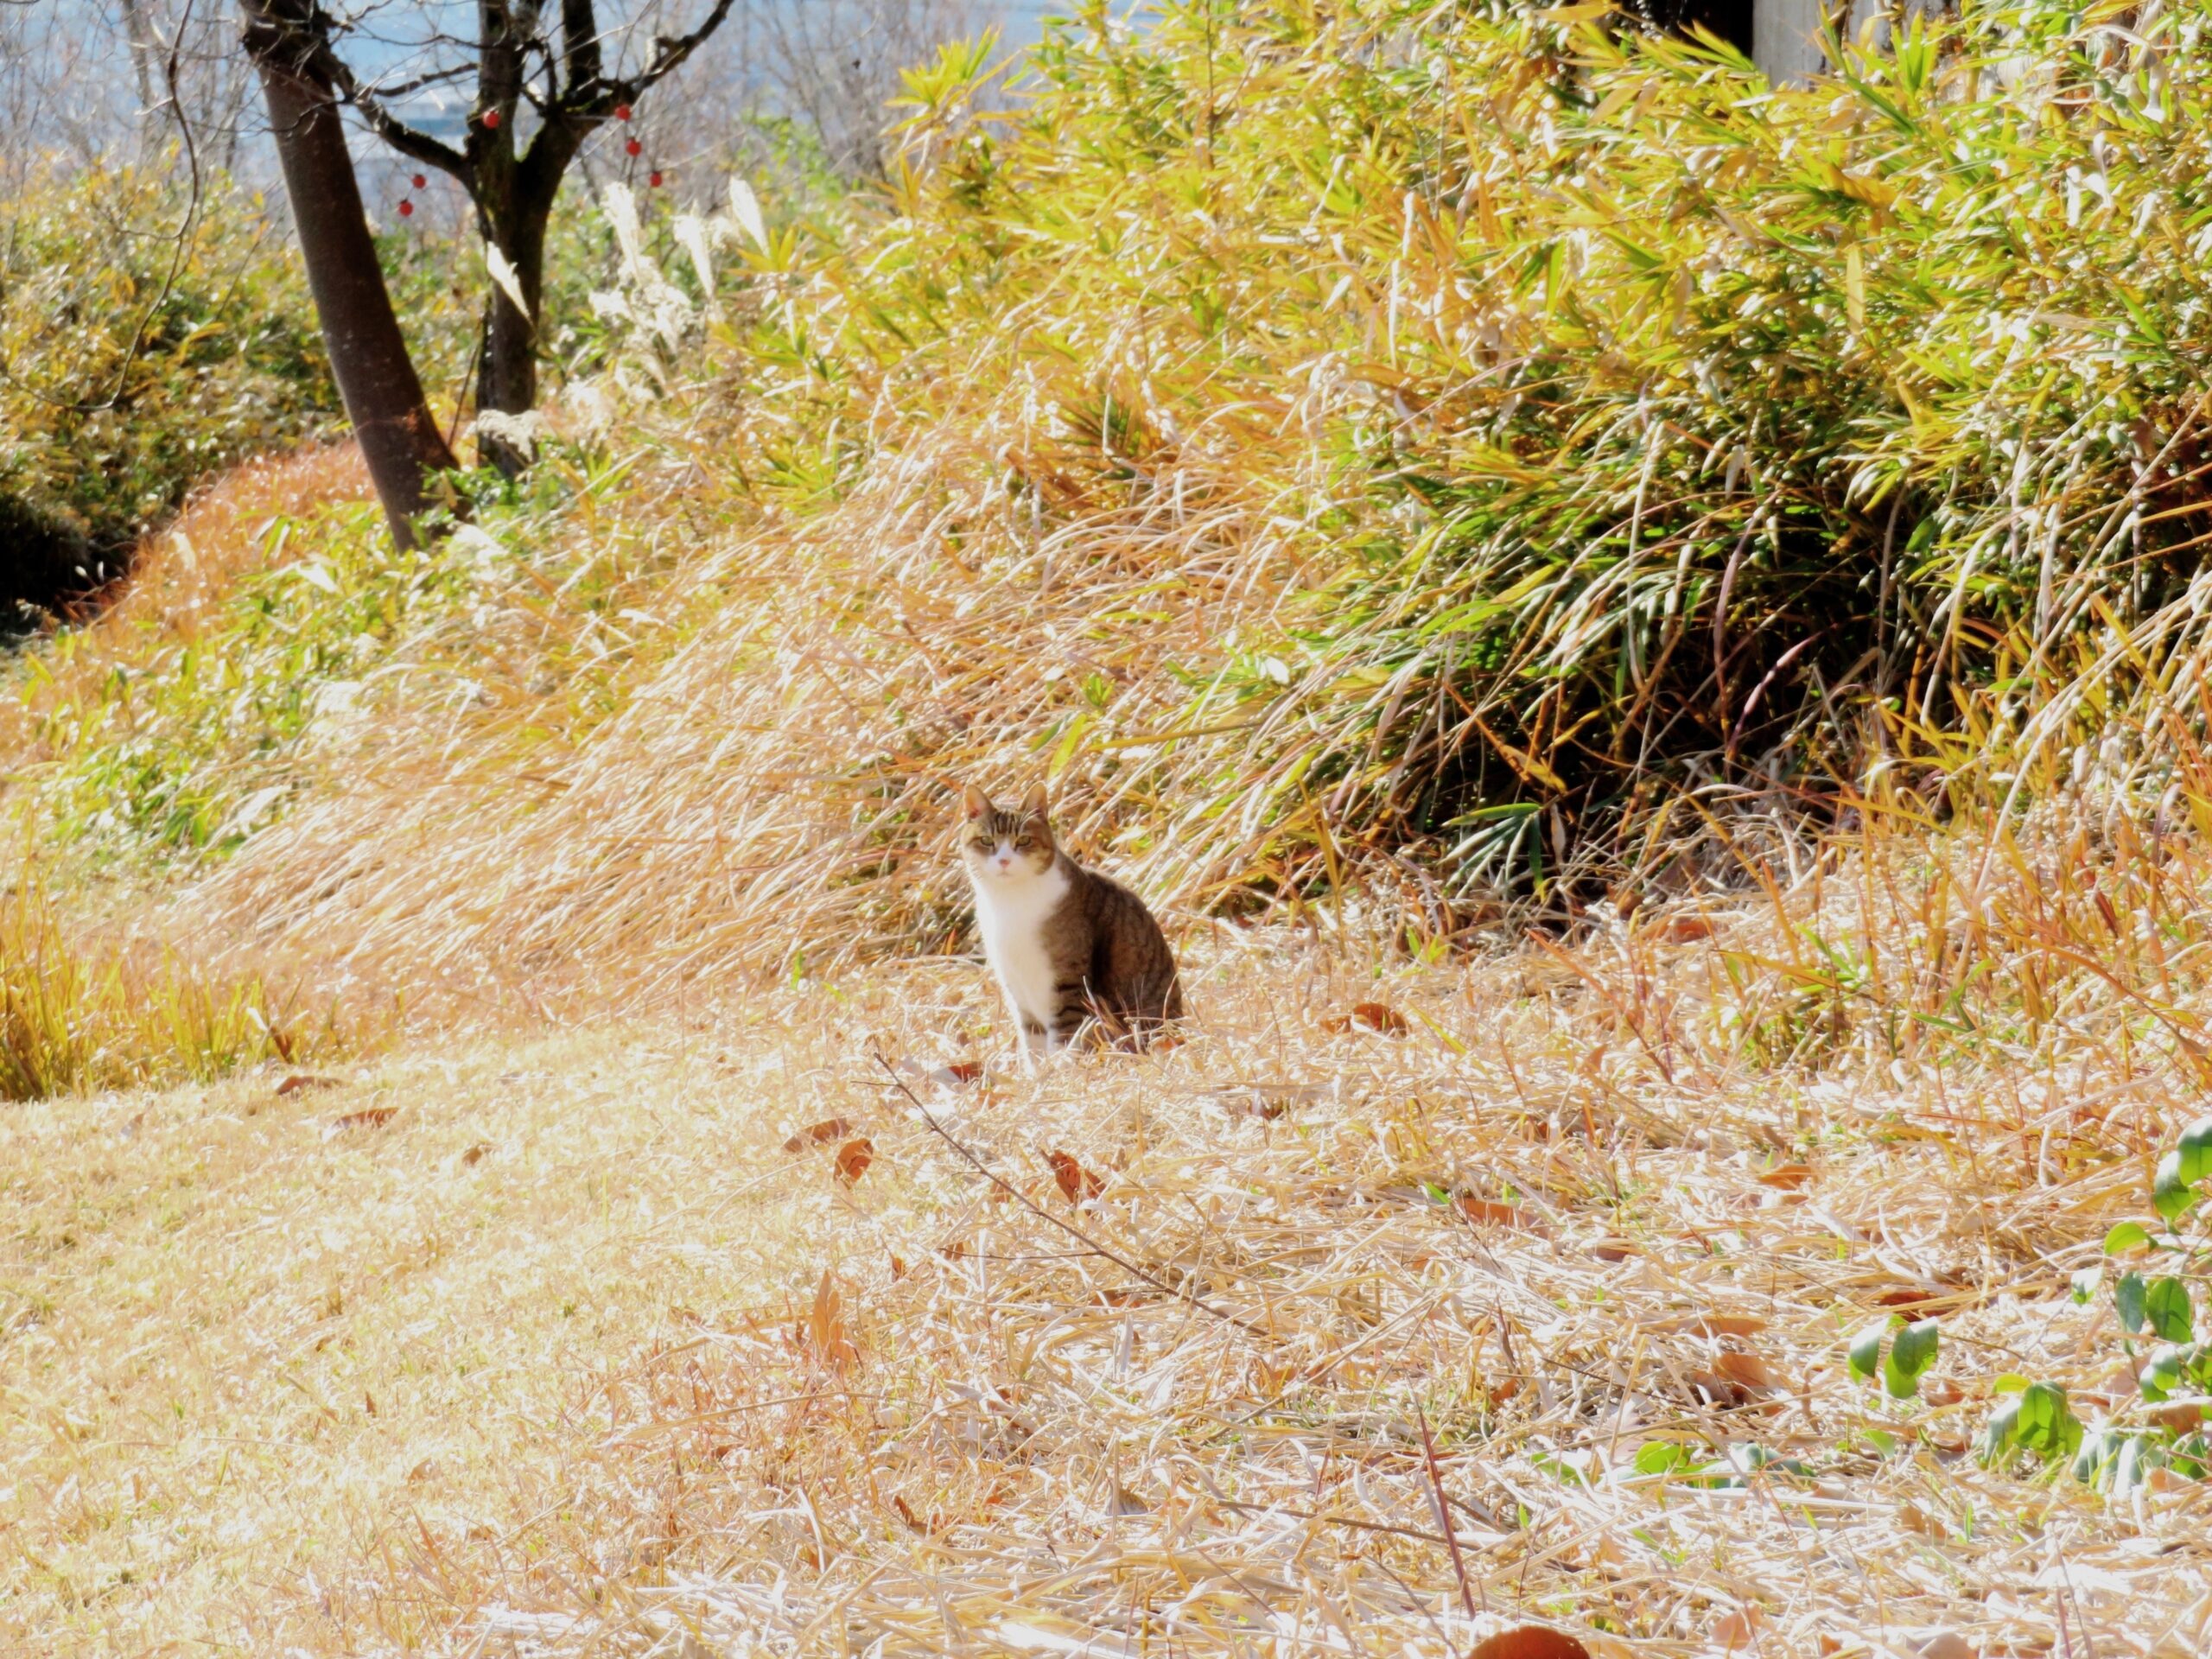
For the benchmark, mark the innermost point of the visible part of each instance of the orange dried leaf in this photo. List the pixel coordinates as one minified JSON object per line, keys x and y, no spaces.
{"x":1787,"y":1175}
{"x":300,"y":1081}
{"x":816,"y":1134}
{"x":1905,"y":1296}
{"x":1487,"y":1212}
{"x":1370,"y":1016}
{"x":854,"y":1157}
{"x":1529,"y":1642}
{"x":369,"y":1117}
{"x":827,"y":1334}
{"x":1077,"y":1184}
{"x":1710,"y":1325}
{"x":1749,"y":1370}
{"x":1738,"y":1630}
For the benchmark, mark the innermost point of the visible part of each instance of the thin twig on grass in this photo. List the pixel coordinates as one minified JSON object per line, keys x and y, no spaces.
{"x":1067,"y":1227}
{"x":1444,"y":1510}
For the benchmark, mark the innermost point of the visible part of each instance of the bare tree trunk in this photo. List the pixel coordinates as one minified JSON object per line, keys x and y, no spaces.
{"x":507,"y":370}
{"x":145,"y":52}
{"x":368,"y":355}
{"x":514,"y":201}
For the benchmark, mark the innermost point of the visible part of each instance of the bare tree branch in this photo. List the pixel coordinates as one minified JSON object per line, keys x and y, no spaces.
{"x":297,"y":35}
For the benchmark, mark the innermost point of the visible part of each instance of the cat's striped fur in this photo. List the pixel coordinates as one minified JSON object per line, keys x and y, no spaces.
{"x":1068,"y":947}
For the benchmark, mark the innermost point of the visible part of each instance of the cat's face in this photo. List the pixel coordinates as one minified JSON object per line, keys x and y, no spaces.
{"x":1001,"y":845}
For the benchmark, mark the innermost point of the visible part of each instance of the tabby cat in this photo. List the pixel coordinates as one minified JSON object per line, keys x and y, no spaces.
{"x":1068,"y":945}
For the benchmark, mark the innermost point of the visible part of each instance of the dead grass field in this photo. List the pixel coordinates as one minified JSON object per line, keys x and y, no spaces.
{"x":568,"y":1355}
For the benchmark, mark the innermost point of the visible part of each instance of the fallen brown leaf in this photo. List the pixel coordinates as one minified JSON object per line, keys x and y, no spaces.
{"x":816,"y":1134}
{"x":2181,"y":1416}
{"x":826,"y":1334}
{"x":1751,"y":1369}
{"x":1740,"y":1629}
{"x":1077,"y":1184}
{"x":1529,"y":1642}
{"x":1487,"y":1212}
{"x":854,"y":1157}
{"x":1370,"y":1016}
{"x":1721,"y":1390}
{"x":1787,"y":1175}
{"x":300,"y":1081}
{"x":369,"y":1117}
{"x":1687,"y":930}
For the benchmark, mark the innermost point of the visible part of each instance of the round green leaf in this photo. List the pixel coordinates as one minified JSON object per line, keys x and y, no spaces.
{"x":2127,"y":1297}
{"x":1910,"y":1355}
{"x":2165,"y":1304}
{"x":2196,"y":1152}
{"x":2047,"y":1423}
{"x":1866,"y":1351}
{"x":2172,"y":1196}
{"x":2128,"y":1235}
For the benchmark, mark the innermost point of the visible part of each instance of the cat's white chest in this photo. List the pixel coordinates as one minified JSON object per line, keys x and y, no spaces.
{"x":1011,"y":917}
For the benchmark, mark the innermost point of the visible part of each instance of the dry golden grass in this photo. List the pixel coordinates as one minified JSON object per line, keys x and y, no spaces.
{"x":180,"y":571}
{"x":282,"y":1378}
{"x":750,"y":761}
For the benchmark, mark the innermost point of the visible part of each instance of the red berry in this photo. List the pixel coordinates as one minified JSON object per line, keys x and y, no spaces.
{"x":632,"y":146}
{"x":491,"y":118}
{"x":621,"y":111}
{"x":407,"y":210}
{"x":654,"y":178}
{"x":420,"y":181}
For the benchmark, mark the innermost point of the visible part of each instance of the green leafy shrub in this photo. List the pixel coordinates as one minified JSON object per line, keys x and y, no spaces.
{"x":149,"y":340}
{"x":2170,"y":1354}
{"x":1626,"y":421}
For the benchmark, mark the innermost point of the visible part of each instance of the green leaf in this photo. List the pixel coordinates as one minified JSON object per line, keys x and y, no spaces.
{"x":2166,"y":1307}
{"x":1660,"y":1458}
{"x":2047,"y":1423}
{"x":2172,"y":1196}
{"x":2128,"y":1235}
{"x":1910,"y":1355}
{"x":2196,"y":1151}
{"x":1866,"y":1351}
{"x":2085,"y":1284}
{"x":2001,"y":1433}
{"x":2128,"y":1296}
{"x":2162,"y":1373}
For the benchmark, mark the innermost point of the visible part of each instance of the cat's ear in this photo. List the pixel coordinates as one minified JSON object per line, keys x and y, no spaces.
{"x":974,"y":803}
{"x":1034,"y":804}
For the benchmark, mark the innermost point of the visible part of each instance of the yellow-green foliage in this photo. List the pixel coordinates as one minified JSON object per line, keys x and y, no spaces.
{"x":75,"y":1016}
{"x":1440,"y":428}
{"x":149,"y":338}
{"x":1620,"y":415}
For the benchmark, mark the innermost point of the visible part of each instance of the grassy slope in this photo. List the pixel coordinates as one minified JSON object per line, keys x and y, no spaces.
{"x":675,"y":729}
{"x":279,"y":1385}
